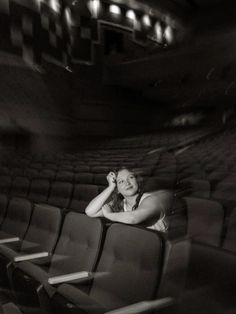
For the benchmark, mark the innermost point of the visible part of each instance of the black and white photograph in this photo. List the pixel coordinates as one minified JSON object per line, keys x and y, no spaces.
{"x":117,"y":153}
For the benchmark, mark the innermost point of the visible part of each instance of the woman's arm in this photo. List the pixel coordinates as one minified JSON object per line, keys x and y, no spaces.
{"x":94,"y":208}
{"x":150,"y":207}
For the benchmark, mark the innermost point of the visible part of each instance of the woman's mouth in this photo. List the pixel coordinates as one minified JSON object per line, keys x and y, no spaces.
{"x":129,"y":187}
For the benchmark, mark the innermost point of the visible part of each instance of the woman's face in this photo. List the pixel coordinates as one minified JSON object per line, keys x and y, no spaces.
{"x":127,"y":184}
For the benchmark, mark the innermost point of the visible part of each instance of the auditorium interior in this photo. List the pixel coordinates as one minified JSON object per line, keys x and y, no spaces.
{"x":90,"y":86}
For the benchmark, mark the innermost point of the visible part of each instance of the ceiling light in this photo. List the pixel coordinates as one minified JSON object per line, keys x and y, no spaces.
{"x":131,"y":15}
{"x":158,"y":32}
{"x":114,"y":9}
{"x":146,"y":20}
{"x":168,"y":34}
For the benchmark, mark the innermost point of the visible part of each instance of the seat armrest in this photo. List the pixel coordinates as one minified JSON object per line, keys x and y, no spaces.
{"x":9,"y":240}
{"x":78,"y":276}
{"x":27,"y":257}
{"x":144,"y":307}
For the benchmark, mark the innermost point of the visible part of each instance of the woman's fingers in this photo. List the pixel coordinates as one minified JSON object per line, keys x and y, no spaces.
{"x":111,"y":177}
{"x":112,"y":174}
{"x":106,"y":208}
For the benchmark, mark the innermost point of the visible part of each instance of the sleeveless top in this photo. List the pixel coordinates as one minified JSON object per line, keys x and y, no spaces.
{"x":156,"y":224}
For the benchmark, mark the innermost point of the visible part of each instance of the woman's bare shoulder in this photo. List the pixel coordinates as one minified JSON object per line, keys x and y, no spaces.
{"x":160,"y":192}
{"x":165,"y":197}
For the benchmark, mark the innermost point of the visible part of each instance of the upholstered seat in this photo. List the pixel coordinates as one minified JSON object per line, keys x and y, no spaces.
{"x":128,"y":271}
{"x":77,"y":250}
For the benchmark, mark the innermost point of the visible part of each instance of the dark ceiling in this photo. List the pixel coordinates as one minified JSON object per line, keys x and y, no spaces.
{"x":199,"y":69}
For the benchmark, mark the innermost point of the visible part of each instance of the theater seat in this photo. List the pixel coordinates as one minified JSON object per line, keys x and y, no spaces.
{"x":130,"y":270}
{"x":230,"y":237}
{"x":39,"y":190}
{"x":17,"y":219}
{"x":77,"y":250}
{"x":4,"y":170}
{"x":5,"y":183}
{"x":194,"y":188}
{"x":20,"y":186}
{"x":82,"y":195}
{"x":224,"y":192}
{"x":16,"y":171}
{"x":48,"y":174}
{"x":100,"y":179}
{"x":205,"y":220}
{"x":84,"y":178}
{"x":100,"y":169}
{"x":31,"y":173}
{"x":65,"y":176}
{"x":82,"y":168}
{"x":158,"y":183}
{"x":3,"y":207}
{"x":60,"y":194}
{"x":131,"y":257}
{"x":40,"y":237}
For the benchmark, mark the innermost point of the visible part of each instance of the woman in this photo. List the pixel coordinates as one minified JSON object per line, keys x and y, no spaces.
{"x":129,"y":205}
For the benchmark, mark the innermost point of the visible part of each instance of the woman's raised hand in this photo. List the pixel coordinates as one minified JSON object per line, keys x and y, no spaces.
{"x":111,"y":178}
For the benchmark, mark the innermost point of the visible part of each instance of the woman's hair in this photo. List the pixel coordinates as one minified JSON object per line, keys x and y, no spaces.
{"x":117,"y":198}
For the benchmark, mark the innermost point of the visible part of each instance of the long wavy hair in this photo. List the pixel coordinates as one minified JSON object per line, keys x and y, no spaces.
{"x":117,"y":199}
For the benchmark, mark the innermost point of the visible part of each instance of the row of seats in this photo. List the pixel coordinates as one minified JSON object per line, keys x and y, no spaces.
{"x":68,"y":176}
{"x":77,"y":196}
{"x":34,"y":171}
{"x":21,"y":186}
{"x":62,"y":194}
{"x":107,"y":265}
{"x":206,"y":224}
{"x":212,"y":159}
{"x":74,"y":196}
{"x":223,"y":192}
{"x":171,"y":139}
{"x":74,"y":161}
{"x":83,"y":161}
{"x":80,"y":173}
{"x":192,"y":218}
